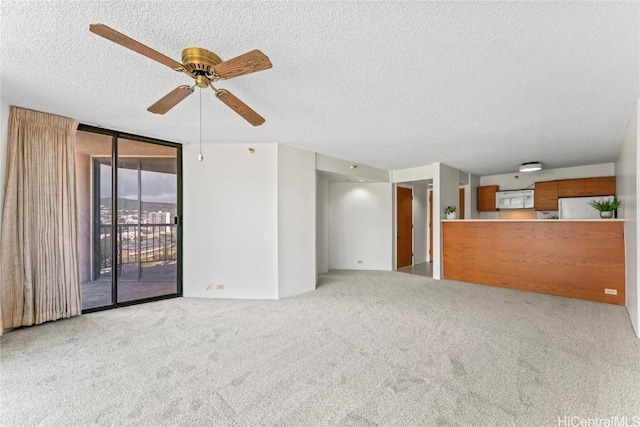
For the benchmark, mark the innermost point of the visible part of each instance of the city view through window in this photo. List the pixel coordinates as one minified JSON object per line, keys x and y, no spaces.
{"x":147,"y":234}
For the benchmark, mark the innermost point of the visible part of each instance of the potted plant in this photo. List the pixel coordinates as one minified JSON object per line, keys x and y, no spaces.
{"x":450,"y":212}
{"x":606,"y":207}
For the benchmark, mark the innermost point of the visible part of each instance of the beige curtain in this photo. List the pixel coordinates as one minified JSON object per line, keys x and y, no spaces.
{"x":39,"y":278}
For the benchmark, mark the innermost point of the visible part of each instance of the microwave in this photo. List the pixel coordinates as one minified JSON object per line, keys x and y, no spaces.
{"x":515,"y":199}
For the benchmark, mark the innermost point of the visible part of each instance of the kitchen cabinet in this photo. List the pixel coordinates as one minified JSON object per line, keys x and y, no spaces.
{"x":547,"y":192}
{"x":601,"y":186}
{"x":571,"y":188}
{"x":546,"y":196}
{"x":487,"y":198}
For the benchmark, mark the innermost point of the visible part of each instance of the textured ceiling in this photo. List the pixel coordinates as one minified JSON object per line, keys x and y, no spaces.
{"x":481,"y":86}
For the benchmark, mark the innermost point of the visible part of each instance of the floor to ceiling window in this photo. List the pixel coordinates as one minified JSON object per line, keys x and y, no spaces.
{"x":129,"y":216}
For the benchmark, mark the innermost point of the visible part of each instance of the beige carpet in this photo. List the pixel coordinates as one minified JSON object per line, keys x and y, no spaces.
{"x":366,"y":348}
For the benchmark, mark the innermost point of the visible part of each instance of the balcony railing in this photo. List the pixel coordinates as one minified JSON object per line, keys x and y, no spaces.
{"x":138,"y":244}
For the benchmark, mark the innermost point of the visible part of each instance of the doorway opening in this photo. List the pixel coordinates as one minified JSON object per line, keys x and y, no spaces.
{"x":413,"y":228}
{"x":129,"y":218}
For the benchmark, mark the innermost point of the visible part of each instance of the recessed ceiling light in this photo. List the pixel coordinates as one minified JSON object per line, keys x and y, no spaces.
{"x":361,"y":180}
{"x":530,"y":167}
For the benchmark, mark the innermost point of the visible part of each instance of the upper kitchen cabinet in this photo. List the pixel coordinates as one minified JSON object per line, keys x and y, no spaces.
{"x":571,"y":188}
{"x":601,"y":186}
{"x":546,"y":196}
{"x":487,"y":198}
{"x":548,"y":192}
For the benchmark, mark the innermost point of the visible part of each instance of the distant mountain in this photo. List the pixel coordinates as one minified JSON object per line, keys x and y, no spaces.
{"x":132,"y":205}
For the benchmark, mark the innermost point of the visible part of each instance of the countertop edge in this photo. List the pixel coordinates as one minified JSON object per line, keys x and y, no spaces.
{"x":535,"y":220}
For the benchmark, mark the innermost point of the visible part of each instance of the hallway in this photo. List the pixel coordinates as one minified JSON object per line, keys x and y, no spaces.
{"x":423,"y":269}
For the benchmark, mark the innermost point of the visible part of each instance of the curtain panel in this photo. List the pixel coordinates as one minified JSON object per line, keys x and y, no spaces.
{"x":39,"y":274}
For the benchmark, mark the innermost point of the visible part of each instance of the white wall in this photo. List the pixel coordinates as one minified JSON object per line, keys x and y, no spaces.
{"x":344,"y":167}
{"x":627,"y":188}
{"x":413,"y":174}
{"x":472,"y":209}
{"x":464,"y":178}
{"x":446,"y":184}
{"x":230,"y":221}
{"x":420,"y":224}
{"x":360,"y":226}
{"x":296,"y":221}
{"x":394,"y":227}
{"x":4,"y":134}
{"x":322,"y":226}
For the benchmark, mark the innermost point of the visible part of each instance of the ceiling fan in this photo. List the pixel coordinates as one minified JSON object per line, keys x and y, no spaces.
{"x":203,"y":66}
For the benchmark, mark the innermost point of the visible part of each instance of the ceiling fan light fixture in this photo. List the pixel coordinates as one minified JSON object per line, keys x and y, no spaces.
{"x":200,"y":64}
{"x":530,"y":167}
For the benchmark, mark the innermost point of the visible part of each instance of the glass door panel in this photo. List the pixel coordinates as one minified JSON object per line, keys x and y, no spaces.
{"x":94,"y":202}
{"x":147,"y":233}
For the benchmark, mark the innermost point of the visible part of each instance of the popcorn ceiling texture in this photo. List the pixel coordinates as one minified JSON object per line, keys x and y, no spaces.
{"x":481,"y":86}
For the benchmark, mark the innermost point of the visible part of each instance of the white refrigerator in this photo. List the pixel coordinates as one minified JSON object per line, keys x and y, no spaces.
{"x":578,"y":207}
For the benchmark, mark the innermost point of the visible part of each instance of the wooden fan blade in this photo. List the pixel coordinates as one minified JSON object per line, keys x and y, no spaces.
{"x":116,"y":37}
{"x":247,"y":63}
{"x":171,"y":99}
{"x":240,"y":107}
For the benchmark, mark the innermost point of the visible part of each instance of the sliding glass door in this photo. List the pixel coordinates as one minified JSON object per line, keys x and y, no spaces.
{"x":135,"y":236}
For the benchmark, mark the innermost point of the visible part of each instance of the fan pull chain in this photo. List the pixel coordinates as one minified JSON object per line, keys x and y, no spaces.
{"x":200,"y":156}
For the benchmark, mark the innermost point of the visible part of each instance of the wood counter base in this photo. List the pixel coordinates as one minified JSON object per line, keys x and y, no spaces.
{"x":569,"y":259}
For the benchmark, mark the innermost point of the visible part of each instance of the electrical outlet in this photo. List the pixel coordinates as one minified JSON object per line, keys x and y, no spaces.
{"x":359,"y":261}
{"x":209,"y":286}
{"x":220,"y":287}
{"x":610,"y":291}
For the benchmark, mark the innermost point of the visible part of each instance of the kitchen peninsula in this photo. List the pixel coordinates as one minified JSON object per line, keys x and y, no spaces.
{"x":571,"y":258}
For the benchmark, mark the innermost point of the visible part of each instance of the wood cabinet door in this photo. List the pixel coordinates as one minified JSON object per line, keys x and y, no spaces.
{"x":545,"y":196}
{"x":487,"y":198}
{"x":571,"y":188}
{"x":601,"y":186}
